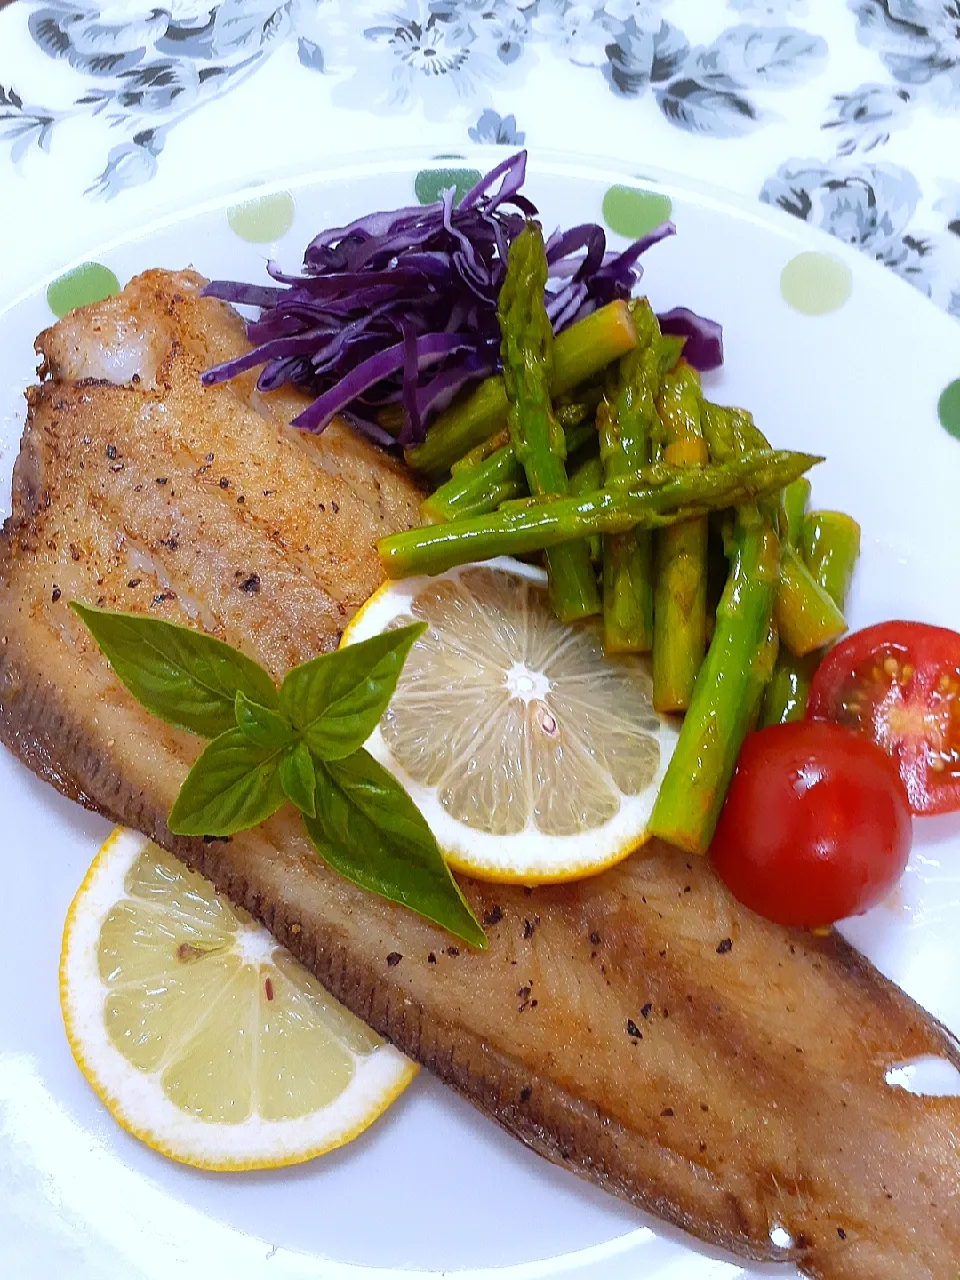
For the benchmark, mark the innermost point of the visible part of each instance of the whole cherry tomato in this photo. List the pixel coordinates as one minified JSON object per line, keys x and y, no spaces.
{"x":816,"y":825}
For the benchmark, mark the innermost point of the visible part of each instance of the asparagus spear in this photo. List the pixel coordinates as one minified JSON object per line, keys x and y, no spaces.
{"x":830,"y":543}
{"x":580,"y":352}
{"x":831,"y":546}
{"x":526,"y":351}
{"x":795,"y":499}
{"x":806,"y":616}
{"x":626,"y":424}
{"x":481,"y":452}
{"x":499,"y":478}
{"x":671,"y":349}
{"x":477,"y":490}
{"x":658,"y":496}
{"x":586,"y":476}
{"x":726,"y":692}
{"x":785,"y":697}
{"x":680,"y":613}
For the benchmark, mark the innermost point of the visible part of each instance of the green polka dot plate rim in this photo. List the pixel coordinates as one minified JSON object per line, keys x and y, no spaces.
{"x":79,"y":287}
{"x":430,"y":183}
{"x":262,"y":219}
{"x":948,"y":408}
{"x":816,"y":283}
{"x":633,"y":212}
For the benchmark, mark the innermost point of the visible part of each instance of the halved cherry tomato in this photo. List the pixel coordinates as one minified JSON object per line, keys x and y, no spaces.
{"x":815,"y":826}
{"x":898,"y":683}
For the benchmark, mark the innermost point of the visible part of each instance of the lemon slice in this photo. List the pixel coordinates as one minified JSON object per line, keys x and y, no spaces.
{"x":200,"y":1034}
{"x":532,"y":756}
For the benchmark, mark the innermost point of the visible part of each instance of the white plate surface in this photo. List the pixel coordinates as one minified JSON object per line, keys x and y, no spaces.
{"x":433,"y":1188}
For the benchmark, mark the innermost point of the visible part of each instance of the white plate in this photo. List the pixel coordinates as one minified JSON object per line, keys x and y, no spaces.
{"x":433,"y":1188}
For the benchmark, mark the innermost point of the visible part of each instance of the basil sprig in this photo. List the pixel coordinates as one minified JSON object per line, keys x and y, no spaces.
{"x":301,"y":743}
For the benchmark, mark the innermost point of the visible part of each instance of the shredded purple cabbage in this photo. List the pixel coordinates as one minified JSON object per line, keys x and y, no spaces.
{"x":704,"y":338}
{"x":399,"y":308}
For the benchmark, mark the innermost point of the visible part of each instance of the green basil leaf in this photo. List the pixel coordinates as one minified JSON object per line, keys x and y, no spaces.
{"x":298,"y":777}
{"x":235,"y":784}
{"x":336,"y":700}
{"x":261,"y":725}
{"x":182,"y":676}
{"x":369,"y":830}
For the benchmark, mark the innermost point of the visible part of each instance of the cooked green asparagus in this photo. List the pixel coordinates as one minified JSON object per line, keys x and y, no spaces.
{"x":499,"y":478}
{"x":806,"y":616}
{"x":830,"y":543}
{"x":680,"y":614}
{"x":726,"y":692}
{"x":660,"y":495}
{"x":526,"y":352}
{"x":580,"y":352}
{"x":626,"y":424}
{"x":795,"y":499}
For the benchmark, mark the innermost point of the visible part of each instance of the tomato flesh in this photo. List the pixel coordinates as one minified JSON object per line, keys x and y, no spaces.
{"x":815,"y":827}
{"x":898,"y":683}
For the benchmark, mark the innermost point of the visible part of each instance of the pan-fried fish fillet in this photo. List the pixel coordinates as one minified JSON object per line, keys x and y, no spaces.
{"x":639,"y":1028}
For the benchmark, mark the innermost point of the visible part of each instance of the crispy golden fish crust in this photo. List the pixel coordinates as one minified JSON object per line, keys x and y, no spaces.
{"x":638,"y":1028}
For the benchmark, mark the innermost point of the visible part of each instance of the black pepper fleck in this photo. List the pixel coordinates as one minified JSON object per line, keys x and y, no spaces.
{"x":393,"y":959}
{"x":529,"y":926}
{"x":216,"y":839}
{"x":170,"y":543}
{"x":111,"y":451}
{"x":633,"y":1031}
{"x":161,"y":480}
{"x":453,"y":951}
{"x":493,"y":916}
{"x":161,"y":596}
{"x":267,"y":492}
{"x":55,"y":594}
{"x":724,"y":946}
{"x":841,"y":1233}
{"x":251,"y":584}
{"x":134,"y":582}
{"x":431,"y":958}
{"x":525,"y":1093}
{"x":209,"y":457}
{"x":224,"y":482}
{"x":667,"y":1111}
{"x":595,"y":938}
{"x":704,"y":1107}
{"x":645,"y":1011}
{"x":241,"y":498}
{"x":335,"y":507}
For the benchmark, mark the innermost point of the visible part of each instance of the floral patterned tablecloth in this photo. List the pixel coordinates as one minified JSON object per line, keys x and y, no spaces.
{"x":845,"y":113}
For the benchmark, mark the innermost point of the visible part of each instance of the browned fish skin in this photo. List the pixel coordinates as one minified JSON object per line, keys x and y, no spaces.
{"x":639,"y":1028}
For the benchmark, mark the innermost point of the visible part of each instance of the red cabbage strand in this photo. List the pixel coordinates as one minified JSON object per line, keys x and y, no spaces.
{"x":399,"y":307}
